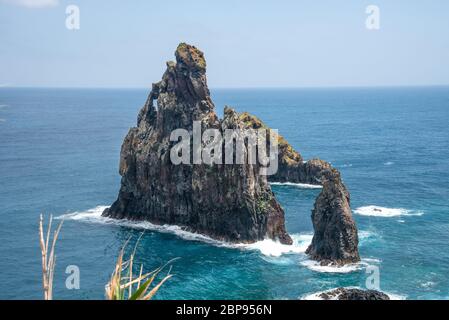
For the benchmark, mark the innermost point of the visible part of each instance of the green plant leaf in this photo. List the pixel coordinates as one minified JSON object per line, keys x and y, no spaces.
{"x":142,"y":289}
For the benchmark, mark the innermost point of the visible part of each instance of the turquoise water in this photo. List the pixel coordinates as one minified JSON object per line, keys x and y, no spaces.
{"x":59,"y":153}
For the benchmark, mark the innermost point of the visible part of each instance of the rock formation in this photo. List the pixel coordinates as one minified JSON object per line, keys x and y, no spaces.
{"x":227,"y":202}
{"x":292,"y":167}
{"x":335,"y":239}
{"x":353,"y":294}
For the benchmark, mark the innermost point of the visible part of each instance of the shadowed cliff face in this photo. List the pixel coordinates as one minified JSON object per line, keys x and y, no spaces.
{"x":335,"y":239}
{"x":227,"y":202}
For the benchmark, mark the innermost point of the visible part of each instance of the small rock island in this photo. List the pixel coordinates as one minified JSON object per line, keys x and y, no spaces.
{"x":232,"y":203}
{"x":353,"y":294}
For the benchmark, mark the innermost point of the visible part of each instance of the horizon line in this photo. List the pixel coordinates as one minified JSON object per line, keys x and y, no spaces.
{"x":231,"y":88}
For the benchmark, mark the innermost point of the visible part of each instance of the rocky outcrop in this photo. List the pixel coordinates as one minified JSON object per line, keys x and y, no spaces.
{"x":353,"y":294}
{"x":335,"y":239}
{"x":309,"y":172}
{"x":292,"y":167}
{"x":227,"y":202}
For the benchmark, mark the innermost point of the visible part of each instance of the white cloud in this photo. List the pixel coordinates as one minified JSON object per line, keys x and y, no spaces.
{"x":33,"y":3}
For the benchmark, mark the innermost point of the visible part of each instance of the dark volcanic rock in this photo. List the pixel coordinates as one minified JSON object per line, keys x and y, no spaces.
{"x":292,"y":167}
{"x":335,"y":239}
{"x":353,"y":294}
{"x":227,"y":202}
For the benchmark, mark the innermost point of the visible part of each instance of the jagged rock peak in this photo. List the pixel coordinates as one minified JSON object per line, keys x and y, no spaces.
{"x":190,"y":58}
{"x":335,"y":239}
{"x":226,"y":202}
{"x":182,"y":95}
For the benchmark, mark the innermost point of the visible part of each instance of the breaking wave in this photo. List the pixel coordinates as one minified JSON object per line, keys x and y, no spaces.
{"x":297,"y":185}
{"x":272,"y":248}
{"x":351,"y":267}
{"x":267,"y":247}
{"x":94,"y":216}
{"x":376,"y":211}
{"x":315,"y":266}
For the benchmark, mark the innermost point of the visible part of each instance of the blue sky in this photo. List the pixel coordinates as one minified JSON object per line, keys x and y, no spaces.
{"x":247,"y":43}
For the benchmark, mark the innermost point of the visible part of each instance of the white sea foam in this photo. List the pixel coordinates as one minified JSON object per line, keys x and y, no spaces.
{"x":266,"y":247}
{"x":316,"y":295}
{"x":272,"y":248}
{"x":428,"y":284}
{"x":315,"y":266}
{"x":395,"y":296}
{"x":372,"y":260}
{"x":389,"y":163}
{"x":94,"y":216}
{"x":376,"y":211}
{"x":297,"y":185}
{"x":365,"y":234}
{"x":301,"y":242}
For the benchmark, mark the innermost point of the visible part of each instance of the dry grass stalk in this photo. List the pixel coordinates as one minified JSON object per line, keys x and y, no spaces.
{"x":124,"y":286}
{"x":48,"y":257}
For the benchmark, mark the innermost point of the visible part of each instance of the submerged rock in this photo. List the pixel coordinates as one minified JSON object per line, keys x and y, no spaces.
{"x":335,"y":238}
{"x":353,"y":294}
{"x":226,"y":202}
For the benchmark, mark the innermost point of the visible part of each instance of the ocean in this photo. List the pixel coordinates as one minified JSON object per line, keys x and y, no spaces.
{"x":59,"y":154}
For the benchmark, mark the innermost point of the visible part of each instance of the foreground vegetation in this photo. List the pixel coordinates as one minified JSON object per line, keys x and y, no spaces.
{"x":123,"y":284}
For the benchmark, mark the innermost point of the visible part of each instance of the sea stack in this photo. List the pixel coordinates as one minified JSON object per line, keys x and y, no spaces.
{"x":335,"y":239}
{"x":226,"y":202}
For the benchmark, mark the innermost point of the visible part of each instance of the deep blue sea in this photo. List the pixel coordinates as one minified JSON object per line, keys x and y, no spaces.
{"x":59,"y":154}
